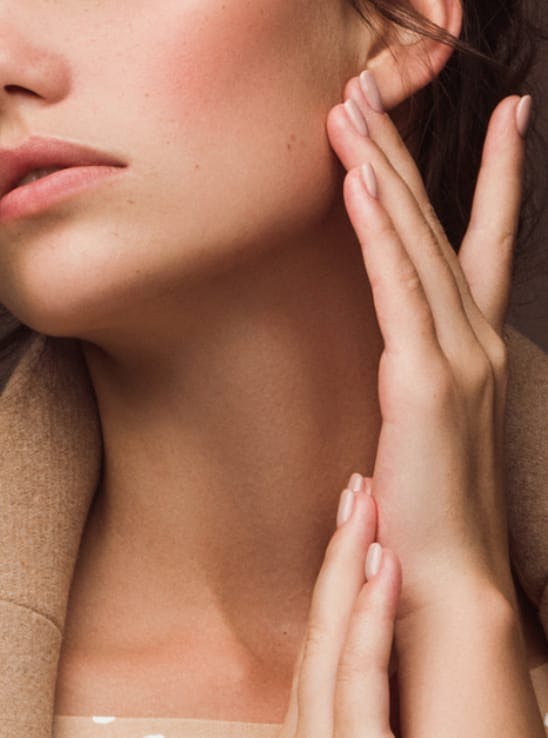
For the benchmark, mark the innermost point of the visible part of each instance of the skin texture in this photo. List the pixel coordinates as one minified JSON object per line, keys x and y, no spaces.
{"x":218,"y":109}
{"x":219,"y":293}
{"x":209,"y":284}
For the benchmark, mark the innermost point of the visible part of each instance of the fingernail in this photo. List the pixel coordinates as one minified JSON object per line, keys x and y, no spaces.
{"x":356,"y":116}
{"x":346,"y":503}
{"x":369,"y":178}
{"x":368,"y":483}
{"x":355,"y":482}
{"x":523,"y":114}
{"x":373,"y":560}
{"x":370,"y":89}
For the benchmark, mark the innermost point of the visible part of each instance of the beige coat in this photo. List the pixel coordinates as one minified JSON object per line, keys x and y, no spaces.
{"x":50,"y":446}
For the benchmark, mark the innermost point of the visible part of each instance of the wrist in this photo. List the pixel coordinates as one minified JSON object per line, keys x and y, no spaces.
{"x":470,"y":603}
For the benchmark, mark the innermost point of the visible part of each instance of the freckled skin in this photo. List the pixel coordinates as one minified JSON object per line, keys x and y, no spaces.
{"x":218,"y":109}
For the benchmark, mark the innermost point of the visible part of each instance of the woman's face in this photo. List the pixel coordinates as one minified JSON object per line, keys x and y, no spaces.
{"x":218,"y":109}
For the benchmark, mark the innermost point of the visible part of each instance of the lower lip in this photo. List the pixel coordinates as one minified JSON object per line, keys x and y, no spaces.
{"x":39,"y":195}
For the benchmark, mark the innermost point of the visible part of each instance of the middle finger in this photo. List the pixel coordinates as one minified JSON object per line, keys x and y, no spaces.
{"x":455,"y":334}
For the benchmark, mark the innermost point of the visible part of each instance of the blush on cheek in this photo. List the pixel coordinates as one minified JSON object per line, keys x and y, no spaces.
{"x":222,"y":61}
{"x":234,"y":88}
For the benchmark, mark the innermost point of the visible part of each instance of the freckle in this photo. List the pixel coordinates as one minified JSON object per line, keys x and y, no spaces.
{"x":130,"y":202}
{"x":196,"y":166}
{"x":289,"y":147}
{"x":292,"y":136}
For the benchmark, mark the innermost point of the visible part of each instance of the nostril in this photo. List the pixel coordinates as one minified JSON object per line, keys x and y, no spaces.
{"x":18,"y":88}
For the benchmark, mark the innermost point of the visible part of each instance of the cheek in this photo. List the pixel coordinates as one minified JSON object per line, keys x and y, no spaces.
{"x":241,"y":88}
{"x":220,"y":108}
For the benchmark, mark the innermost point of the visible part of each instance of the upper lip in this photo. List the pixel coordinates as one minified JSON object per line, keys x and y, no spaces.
{"x":40,"y":153}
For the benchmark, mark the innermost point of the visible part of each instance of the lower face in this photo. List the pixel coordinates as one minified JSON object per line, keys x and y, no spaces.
{"x":218,"y":109}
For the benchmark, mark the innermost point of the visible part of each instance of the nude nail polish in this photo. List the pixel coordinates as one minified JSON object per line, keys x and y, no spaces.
{"x":346,"y":504}
{"x":370,"y":89}
{"x":373,"y":560}
{"x":523,"y":114}
{"x":356,"y":117}
{"x":355,"y":482}
{"x":369,"y":179}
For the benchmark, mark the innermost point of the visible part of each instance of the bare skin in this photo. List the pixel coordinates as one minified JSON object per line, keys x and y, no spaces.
{"x":220,"y":297}
{"x":233,"y":699}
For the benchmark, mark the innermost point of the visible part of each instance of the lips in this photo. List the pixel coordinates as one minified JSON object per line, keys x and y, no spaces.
{"x":43,"y":153}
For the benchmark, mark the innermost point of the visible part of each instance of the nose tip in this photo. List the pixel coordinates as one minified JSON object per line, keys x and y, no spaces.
{"x":29,"y":67}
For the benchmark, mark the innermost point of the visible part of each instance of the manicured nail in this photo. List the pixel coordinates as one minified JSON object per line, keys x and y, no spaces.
{"x":523,"y":114}
{"x":370,"y":89}
{"x":373,"y":560}
{"x":369,"y":178}
{"x":346,"y":503}
{"x":355,"y":482}
{"x":356,"y":116}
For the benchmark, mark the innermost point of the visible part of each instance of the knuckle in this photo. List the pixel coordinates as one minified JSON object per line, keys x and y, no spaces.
{"x":429,"y":211}
{"x":406,"y":273}
{"x":350,"y":671}
{"x":479,"y":378}
{"x":410,"y":280}
{"x":423,"y":381}
{"x":436,"y":387}
{"x":316,"y":636}
{"x":499,"y":357}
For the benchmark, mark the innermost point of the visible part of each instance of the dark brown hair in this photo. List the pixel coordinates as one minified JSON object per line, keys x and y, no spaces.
{"x":492,"y":58}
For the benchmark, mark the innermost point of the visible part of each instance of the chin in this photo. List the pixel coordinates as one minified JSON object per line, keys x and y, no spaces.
{"x":56,"y":303}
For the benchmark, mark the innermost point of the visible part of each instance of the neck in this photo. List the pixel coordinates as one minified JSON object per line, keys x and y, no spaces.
{"x":230,"y":426}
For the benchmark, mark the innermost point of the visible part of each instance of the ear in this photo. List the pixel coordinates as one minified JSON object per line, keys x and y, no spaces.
{"x":405,"y":61}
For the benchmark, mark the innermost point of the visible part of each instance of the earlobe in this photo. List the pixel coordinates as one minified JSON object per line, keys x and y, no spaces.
{"x":408,"y":60}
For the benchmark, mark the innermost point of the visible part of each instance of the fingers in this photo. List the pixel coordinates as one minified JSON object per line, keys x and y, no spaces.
{"x":453,"y":328}
{"x":339,"y":581}
{"x":362,"y":694}
{"x":486,"y":253}
{"x":340,"y":686}
{"x":383,"y":134}
{"x":403,"y":312}
{"x":291,"y":720}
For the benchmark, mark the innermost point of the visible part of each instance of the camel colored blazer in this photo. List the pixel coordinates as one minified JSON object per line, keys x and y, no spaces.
{"x":50,"y":465}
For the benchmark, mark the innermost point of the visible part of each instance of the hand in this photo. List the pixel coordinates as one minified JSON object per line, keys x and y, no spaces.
{"x":340,"y":685}
{"x":437,"y":479}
